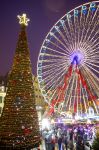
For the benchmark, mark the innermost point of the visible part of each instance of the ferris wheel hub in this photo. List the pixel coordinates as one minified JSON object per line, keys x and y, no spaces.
{"x":77,"y":58}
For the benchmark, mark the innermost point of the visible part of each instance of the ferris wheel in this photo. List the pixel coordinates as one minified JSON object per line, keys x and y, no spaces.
{"x":68,"y":62}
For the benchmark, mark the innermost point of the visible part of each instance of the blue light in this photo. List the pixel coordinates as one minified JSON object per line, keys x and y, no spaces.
{"x":41,"y":57}
{"x":92,"y":9}
{"x":92,"y":6}
{"x":84,"y":10}
{"x":76,"y":12}
{"x":39,"y":64}
{"x":76,"y":57}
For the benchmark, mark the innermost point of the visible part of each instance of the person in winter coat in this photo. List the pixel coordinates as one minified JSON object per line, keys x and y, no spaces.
{"x":70,"y":144}
{"x":80,"y":145}
{"x":65,"y":141}
{"x":87,"y":146}
{"x":59,"y":143}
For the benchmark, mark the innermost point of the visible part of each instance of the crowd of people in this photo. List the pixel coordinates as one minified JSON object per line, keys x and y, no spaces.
{"x":76,"y":137}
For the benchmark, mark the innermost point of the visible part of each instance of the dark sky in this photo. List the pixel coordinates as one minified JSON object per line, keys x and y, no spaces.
{"x":43,"y":15}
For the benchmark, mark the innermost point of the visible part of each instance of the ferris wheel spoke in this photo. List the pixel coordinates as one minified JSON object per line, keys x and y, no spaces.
{"x":65,"y":40}
{"x":51,"y":61}
{"x":54,"y":65}
{"x":91,"y":44}
{"x":93,"y":28}
{"x":89,"y":40}
{"x":91,"y":74}
{"x":90,"y":24}
{"x":95,"y":107}
{"x":53,"y":87}
{"x":93,"y":49}
{"x":57,"y":65}
{"x":84,"y":23}
{"x":77,"y":31}
{"x":54,"y":95}
{"x":50,"y":72}
{"x":68,"y":96}
{"x":72,"y":34}
{"x":57,"y":76}
{"x":93,"y":38}
{"x":46,"y":72}
{"x":82,"y":28}
{"x":54,"y":60}
{"x":59,"y":41}
{"x":58,"y":52}
{"x":60,"y":48}
{"x":91,"y":81}
{"x":93,"y":84}
{"x":94,"y":52}
{"x":54,"y":55}
{"x":92,"y":63}
{"x":89,"y":66}
{"x":91,"y":35}
{"x":68,"y":35}
{"x":93,"y":59}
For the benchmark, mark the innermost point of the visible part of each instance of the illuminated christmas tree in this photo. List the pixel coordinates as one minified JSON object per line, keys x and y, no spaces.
{"x":19,"y":127}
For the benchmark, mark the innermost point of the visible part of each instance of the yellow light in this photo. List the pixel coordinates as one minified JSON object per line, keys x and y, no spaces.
{"x":52,"y":121}
{"x":23,"y":19}
{"x":88,"y":121}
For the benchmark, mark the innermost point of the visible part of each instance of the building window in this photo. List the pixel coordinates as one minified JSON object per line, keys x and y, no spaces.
{"x":0,"y":99}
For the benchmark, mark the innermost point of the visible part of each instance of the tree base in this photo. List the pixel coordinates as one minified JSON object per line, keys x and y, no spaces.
{"x":5,"y":147}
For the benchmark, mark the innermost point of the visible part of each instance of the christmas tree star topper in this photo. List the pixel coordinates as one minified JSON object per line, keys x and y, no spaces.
{"x":23,"y":19}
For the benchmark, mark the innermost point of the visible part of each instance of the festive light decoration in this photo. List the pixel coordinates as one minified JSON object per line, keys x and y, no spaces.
{"x":72,"y":43}
{"x":19,"y":127}
{"x":45,"y":124}
{"x":23,"y":19}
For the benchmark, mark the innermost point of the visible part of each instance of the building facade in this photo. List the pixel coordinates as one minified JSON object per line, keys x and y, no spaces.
{"x":2,"y":94}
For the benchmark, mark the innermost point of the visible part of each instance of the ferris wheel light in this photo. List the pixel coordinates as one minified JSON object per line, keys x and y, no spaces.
{"x":76,"y":12}
{"x":84,"y":10}
{"x":92,"y":4}
{"x":62,"y":22}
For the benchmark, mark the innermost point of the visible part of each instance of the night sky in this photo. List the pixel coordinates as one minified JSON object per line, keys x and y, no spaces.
{"x":43,"y":15}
